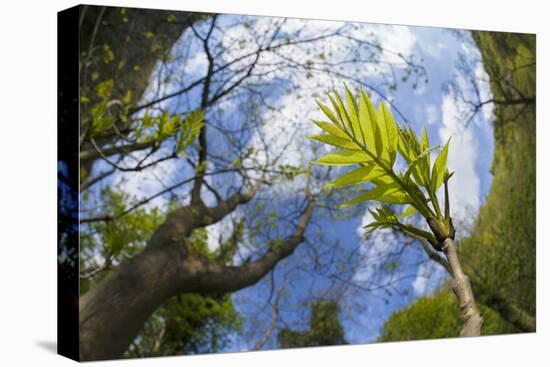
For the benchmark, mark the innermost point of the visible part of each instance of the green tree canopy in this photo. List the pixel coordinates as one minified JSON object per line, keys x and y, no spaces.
{"x":324,"y":329}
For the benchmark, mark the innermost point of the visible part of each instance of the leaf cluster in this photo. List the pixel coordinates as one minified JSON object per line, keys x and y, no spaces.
{"x":371,"y":139}
{"x":108,"y":115}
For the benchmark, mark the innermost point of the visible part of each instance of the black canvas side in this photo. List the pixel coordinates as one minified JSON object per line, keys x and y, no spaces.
{"x":67,"y":182}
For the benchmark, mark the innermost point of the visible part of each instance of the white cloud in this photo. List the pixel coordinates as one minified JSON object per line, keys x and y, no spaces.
{"x":145,"y":183}
{"x":434,"y":49}
{"x":464,"y":186}
{"x":395,"y":38}
{"x":219,"y":232}
{"x":432,"y":114}
{"x":296,"y":108}
{"x":484,"y":90}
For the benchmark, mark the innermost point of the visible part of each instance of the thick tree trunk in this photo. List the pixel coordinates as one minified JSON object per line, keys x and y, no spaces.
{"x":113,"y":312}
{"x":469,"y":314}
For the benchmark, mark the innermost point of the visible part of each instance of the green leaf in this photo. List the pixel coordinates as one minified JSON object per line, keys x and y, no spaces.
{"x":425,"y":162}
{"x":424,"y":142}
{"x":344,"y":157}
{"x":391,"y":194}
{"x":383,"y":180}
{"x":408,"y":211}
{"x":391,"y":131}
{"x":359,"y":175}
{"x":367,"y":119}
{"x":412,"y":147}
{"x":439,"y":168}
{"x":417,"y":160}
{"x":382,"y":126}
{"x":384,"y":217}
{"x":354,"y":116}
{"x":403,"y":146}
{"x":332,"y":129}
{"x":333,"y":140}
{"x":328,"y":113}
{"x":342,"y":112}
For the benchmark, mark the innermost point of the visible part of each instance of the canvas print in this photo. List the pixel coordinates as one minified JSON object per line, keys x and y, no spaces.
{"x":232,"y":183}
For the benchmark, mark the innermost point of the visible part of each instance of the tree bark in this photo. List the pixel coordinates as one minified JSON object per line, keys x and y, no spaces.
{"x":505,"y":307}
{"x":469,"y":314}
{"x":113,"y":312}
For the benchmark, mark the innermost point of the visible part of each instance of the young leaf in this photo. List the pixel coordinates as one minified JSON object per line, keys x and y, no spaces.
{"x":328,"y":113}
{"x":425,"y":162}
{"x":333,"y":140}
{"x":354,"y":116}
{"x":417,"y":160}
{"x":383,"y":180}
{"x":343,"y":113}
{"x":383,"y":127}
{"x":408,"y":211}
{"x":332,"y":129}
{"x":413,"y":152}
{"x":439,"y":168}
{"x":386,"y":193}
{"x":391,"y":131}
{"x":343,"y":157}
{"x":359,"y":175}
{"x":424,"y":141}
{"x":367,"y":119}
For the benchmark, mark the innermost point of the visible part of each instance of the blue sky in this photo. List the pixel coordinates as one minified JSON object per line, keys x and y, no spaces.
{"x":430,"y":105}
{"x":470,"y":155}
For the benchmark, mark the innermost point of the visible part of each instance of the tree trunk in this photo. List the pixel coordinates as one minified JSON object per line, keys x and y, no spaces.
{"x":114,"y":310}
{"x":469,"y":314}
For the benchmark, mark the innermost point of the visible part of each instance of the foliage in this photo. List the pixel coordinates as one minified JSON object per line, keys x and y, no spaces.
{"x":119,"y":48}
{"x":501,"y":251}
{"x":188,"y":323}
{"x":325,"y":328}
{"x":115,"y":240}
{"x":372,"y":139}
{"x":109,"y":114}
{"x":431,"y":317}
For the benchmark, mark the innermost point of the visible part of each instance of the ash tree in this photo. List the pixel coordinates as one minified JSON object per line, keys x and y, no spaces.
{"x":135,"y":267}
{"x":371,"y":139}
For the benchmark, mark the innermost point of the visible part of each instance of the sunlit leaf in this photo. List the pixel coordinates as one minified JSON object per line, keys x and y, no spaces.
{"x":383,"y":180}
{"x":328,"y":113}
{"x":408,"y":211}
{"x":332,"y":129}
{"x":417,"y":160}
{"x":424,"y":141}
{"x":367,"y":119}
{"x":391,"y":193}
{"x":354,"y":116}
{"x":344,"y":114}
{"x":391,"y":131}
{"x":359,"y":175}
{"x":343,"y":157}
{"x":440,"y":167}
{"x":335,"y":141}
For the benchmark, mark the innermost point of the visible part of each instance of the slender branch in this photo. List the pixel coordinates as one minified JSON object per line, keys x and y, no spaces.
{"x":92,"y":181}
{"x":203,"y":144}
{"x":238,"y":277}
{"x":274,"y":317}
{"x":428,"y":249}
{"x":470,"y":316}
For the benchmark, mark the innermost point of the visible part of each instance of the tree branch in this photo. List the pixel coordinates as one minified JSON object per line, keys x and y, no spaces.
{"x":218,"y":278}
